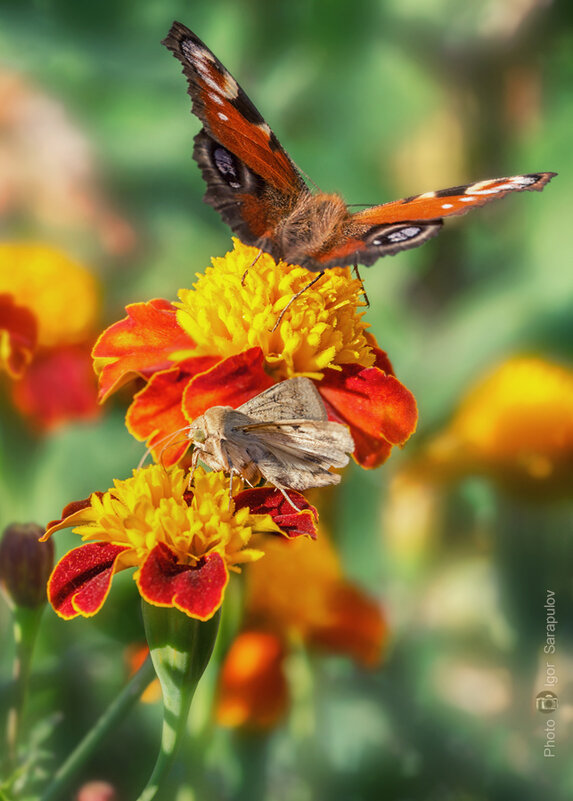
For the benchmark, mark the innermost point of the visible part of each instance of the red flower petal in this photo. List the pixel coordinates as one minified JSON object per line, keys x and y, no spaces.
{"x":58,"y":386}
{"x":138,"y":345}
{"x":271,"y":501}
{"x":379,"y":410}
{"x":231,"y":382}
{"x":156,"y":410}
{"x":198,"y":591}
{"x":81,"y":580}
{"x":18,"y":336}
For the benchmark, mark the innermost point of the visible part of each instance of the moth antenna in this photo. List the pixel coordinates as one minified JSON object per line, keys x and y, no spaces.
{"x":357,"y":274}
{"x":163,"y":439}
{"x":252,"y":264}
{"x":292,"y":503}
{"x":294,"y":297}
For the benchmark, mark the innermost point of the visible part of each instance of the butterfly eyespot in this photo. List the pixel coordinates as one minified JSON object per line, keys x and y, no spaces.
{"x":227,"y":166}
{"x":197,"y":435}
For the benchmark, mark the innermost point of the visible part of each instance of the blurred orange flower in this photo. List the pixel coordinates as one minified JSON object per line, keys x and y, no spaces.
{"x":49,"y":307}
{"x":515,"y":424}
{"x":299,"y":594}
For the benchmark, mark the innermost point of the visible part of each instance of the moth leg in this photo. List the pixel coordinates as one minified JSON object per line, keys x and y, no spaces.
{"x":231,"y":471}
{"x":294,"y":297}
{"x":192,"y":467}
{"x":292,"y":503}
{"x":252,"y":264}
{"x":357,"y":274}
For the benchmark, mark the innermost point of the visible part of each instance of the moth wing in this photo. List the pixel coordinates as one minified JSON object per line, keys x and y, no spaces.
{"x":298,"y":454}
{"x":294,"y":399}
{"x":402,"y":224}
{"x":250,"y":177}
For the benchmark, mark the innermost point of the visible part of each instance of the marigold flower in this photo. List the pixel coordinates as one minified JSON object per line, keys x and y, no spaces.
{"x":61,"y":293}
{"x":515,"y":424}
{"x":297,"y":594}
{"x":216,"y":347}
{"x":48,"y":310}
{"x":18,"y":336}
{"x":253,"y":690}
{"x":182,"y":542}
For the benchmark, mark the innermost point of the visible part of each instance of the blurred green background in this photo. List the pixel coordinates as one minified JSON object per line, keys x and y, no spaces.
{"x":377,"y":100}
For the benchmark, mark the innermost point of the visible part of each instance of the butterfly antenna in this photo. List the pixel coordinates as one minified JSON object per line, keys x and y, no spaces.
{"x":307,"y":177}
{"x":292,"y":300}
{"x":168,"y":439}
{"x":357,"y":274}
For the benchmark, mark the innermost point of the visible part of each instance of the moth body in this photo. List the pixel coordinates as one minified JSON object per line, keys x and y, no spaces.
{"x":281,"y":435}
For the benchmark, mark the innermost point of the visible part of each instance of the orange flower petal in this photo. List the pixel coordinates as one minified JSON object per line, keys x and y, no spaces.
{"x":231,"y":382}
{"x":378,"y":409}
{"x":253,"y":690}
{"x":156,"y":413}
{"x":138,"y":345}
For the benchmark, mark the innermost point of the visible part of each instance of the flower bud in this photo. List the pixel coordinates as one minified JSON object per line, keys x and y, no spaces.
{"x":25,"y":564}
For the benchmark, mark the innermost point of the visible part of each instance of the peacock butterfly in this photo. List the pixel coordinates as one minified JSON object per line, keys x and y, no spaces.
{"x":258,"y":191}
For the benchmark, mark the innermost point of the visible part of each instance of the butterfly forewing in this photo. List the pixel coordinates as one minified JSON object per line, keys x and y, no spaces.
{"x":235,"y":135}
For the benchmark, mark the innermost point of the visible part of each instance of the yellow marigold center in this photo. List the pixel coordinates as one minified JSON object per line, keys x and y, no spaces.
{"x":322,"y":328}
{"x":526,"y":405}
{"x":63,"y":295}
{"x":150,"y":508}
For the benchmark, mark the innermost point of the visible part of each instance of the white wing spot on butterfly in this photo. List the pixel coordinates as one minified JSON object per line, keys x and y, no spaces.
{"x":447,"y":205}
{"x":222,"y":116}
{"x":426,"y":195}
{"x":230,"y":87}
{"x":216,"y":99}
{"x":467,"y":199}
{"x":264,"y":128}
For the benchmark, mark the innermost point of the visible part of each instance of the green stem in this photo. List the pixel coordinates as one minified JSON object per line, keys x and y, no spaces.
{"x":26,"y":622}
{"x":117,"y":710}
{"x":180,"y":648}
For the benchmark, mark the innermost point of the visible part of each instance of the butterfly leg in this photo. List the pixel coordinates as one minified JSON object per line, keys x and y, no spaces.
{"x":357,"y":274}
{"x":252,"y":264}
{"x":292,"y":300}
